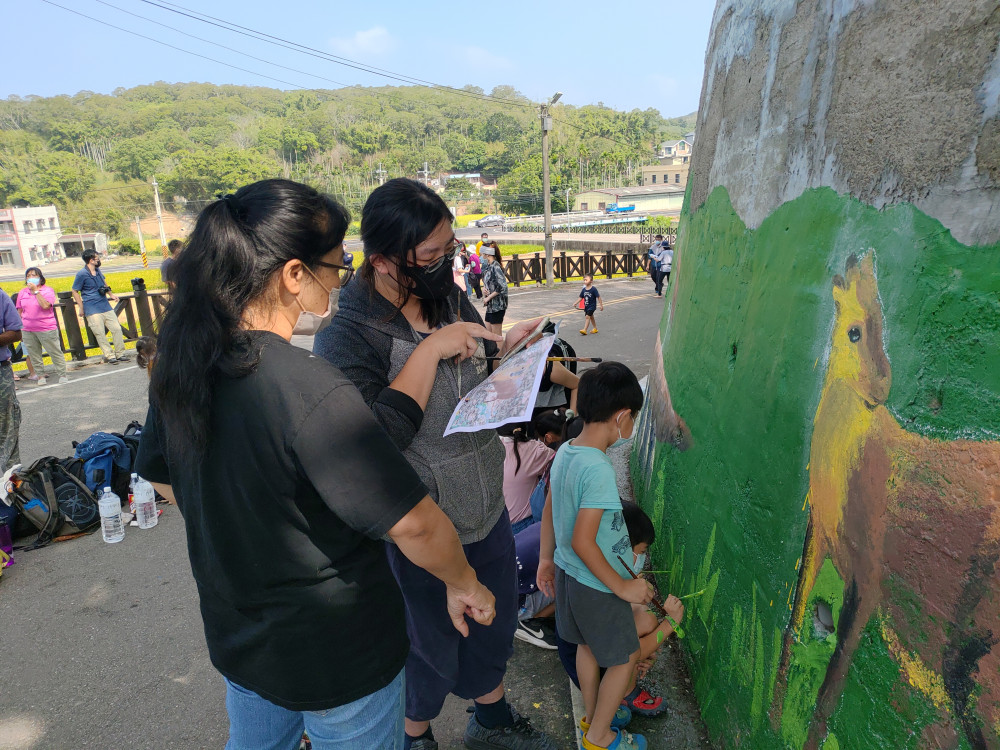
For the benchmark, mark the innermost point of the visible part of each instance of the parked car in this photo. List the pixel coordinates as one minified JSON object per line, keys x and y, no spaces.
{"x":493,"y":220}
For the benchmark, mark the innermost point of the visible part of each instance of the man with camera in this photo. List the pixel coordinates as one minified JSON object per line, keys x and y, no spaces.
{"x":91,"y":292}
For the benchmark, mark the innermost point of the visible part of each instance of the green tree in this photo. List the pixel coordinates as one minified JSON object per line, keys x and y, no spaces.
{"x":203,"y":174}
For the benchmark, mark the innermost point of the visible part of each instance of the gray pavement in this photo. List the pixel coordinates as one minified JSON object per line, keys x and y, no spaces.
{"x":103,"y":644}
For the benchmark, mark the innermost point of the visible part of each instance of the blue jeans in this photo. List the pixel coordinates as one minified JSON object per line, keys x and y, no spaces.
{"x":522,"y":524}
{"x":375,"y":721}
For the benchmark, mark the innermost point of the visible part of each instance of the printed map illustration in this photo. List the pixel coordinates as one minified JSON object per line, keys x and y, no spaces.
{"x":508,"y":395}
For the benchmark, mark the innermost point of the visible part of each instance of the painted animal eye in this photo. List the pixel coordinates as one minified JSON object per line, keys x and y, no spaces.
{"x":854,"y":334}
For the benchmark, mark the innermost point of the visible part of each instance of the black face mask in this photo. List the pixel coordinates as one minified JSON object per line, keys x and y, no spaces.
{"x":97,"y":264}
{"x":436,"y":285}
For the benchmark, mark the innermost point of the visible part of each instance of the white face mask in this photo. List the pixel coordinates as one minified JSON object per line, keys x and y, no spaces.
{"x":310,"y":323}
{"x":621,"y":440}
{"x":638,"y":561}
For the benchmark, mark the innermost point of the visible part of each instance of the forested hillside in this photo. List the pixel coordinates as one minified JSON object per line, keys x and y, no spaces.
{"x":94,"y":155}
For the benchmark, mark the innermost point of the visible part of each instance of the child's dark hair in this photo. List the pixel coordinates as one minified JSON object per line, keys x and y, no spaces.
{"x":145,"y":352}
{"x":519,"y":432}
{"x":606,"y":389}
{"x":640,"y":526}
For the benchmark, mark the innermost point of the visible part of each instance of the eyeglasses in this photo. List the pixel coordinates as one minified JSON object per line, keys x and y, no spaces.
{"x":348,"y":268}
{"x":448,"y":257}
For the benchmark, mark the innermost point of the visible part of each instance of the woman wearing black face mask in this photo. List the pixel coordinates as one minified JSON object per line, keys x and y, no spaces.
{"x":405,"y":334}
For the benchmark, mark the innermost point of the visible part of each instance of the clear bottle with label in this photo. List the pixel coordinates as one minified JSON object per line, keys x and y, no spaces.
{"x":145,"y":504}
{"x":131,"y":493}
{"x":112,"y":525}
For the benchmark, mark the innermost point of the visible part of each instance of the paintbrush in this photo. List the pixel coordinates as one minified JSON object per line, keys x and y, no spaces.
{"x":562,"y":359}
{"x":657,"y":604}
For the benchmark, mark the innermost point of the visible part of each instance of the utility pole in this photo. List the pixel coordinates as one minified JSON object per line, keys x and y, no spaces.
{"x":159,"y":214}
{"x":543,"y":113}
{"x":567,"y":201}
{"x":425,"y":174}
{"x":142,"y":244}
{"x":381,"y":174}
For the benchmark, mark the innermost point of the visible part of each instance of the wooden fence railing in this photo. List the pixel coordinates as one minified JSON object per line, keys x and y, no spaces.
{"x":527,"y":269}
{"x":142,"y":310}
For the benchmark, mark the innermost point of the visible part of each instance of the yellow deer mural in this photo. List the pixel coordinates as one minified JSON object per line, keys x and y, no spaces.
{"x":884,"y":502}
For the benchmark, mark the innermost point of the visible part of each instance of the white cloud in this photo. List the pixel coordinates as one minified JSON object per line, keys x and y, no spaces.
{"x":485,"y":61}
{"x":373,"y":42}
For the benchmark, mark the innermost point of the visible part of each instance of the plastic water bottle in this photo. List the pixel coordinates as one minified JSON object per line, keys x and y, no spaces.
{"x":145,"y":504}
{"x":131,"y":493}
{"x":112,"y":527}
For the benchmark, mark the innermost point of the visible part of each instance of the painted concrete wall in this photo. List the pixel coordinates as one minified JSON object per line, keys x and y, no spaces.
{"x":821,"y":447}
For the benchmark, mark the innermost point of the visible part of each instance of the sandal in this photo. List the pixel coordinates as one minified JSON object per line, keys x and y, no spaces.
{"x":645,"y":704}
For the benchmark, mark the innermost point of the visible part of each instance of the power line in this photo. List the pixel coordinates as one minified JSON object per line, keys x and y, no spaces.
{"x":222,"y":46}
{"x":170,"y":46}
{"x":312,"y":52}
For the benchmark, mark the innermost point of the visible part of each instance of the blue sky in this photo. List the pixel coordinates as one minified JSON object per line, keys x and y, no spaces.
{"x":642,"y":54}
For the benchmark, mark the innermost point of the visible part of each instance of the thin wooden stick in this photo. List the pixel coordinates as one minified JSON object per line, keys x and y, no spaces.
{"x":657,"y":604}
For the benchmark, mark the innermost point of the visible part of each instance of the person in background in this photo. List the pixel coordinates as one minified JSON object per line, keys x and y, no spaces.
{"x":591,"y":299}
{"x":10,"y":407}
{"x":527,"y":459}
{"x":484,"y":239}
{"x":495,"y":283}
{"x":173,"y":248}
{"x":662,"y":256}
{"x":36,"y":304}
{"x":287,"y":484}
{"x":91,"y":292}
{"x":461,"y":269}
{"x":476,"y":274}
{"x":407,"y":337}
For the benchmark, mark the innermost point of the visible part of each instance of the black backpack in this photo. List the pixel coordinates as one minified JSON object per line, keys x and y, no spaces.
{"x":52,"y":495}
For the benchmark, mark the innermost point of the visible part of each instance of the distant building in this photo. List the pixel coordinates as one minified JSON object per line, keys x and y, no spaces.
{"x":30,"y":236}
{"x":676,"y":148}
{"x":668,"y":172}
{"x":675,"y":162}
{"x":75,"y":244}
{"x":644,"y":198}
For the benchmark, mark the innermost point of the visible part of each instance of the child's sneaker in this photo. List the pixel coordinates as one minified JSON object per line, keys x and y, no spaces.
{"x":583,"y":331}
{"x":594,"y":331}
{"x":621,"y":719}
{"x":623,"y":741}
{"x":644,"y":704}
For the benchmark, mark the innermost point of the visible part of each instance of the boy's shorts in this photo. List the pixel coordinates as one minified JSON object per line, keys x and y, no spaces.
{"x":589,"y":311}
{"x":598,"y":620}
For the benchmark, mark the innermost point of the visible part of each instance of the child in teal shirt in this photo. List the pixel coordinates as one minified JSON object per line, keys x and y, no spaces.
{"x":594,"y":591}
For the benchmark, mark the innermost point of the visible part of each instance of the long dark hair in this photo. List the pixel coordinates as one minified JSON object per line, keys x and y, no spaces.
{"x":238,"y":244}
{"x":519,"y":432}
{"x":397,"y":217}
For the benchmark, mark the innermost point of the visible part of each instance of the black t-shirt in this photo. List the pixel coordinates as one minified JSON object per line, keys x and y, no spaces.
{"x":284,"y":516}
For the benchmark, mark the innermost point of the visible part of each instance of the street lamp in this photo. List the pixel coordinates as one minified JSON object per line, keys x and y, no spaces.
{"x":543,"y":113}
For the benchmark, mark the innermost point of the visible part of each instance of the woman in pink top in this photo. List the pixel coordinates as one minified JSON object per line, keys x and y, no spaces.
{"x":527,"y":460}
{"x":36,"y":303}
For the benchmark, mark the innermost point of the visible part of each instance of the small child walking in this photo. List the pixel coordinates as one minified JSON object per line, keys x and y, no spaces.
{"x":591,"y":299}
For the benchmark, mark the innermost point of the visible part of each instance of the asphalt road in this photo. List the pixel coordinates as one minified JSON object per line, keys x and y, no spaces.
{"x":103,"y":644}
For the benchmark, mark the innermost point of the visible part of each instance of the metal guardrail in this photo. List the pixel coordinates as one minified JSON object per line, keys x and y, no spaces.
{"x":531,"y":268}
{"x":142,"y":310}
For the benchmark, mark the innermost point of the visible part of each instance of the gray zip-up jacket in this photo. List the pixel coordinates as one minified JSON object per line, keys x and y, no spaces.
{"x":369,"y":341}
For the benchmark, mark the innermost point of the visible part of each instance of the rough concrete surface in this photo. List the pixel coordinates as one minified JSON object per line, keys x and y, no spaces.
{"x":888,"y":100}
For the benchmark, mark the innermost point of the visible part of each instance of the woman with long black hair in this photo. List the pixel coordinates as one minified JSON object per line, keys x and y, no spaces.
{"x":287,"y":483}
{"x":408,"y":338}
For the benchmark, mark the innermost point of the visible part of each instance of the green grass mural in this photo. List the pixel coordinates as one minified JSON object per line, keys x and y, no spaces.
{"x":752,"y":337}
